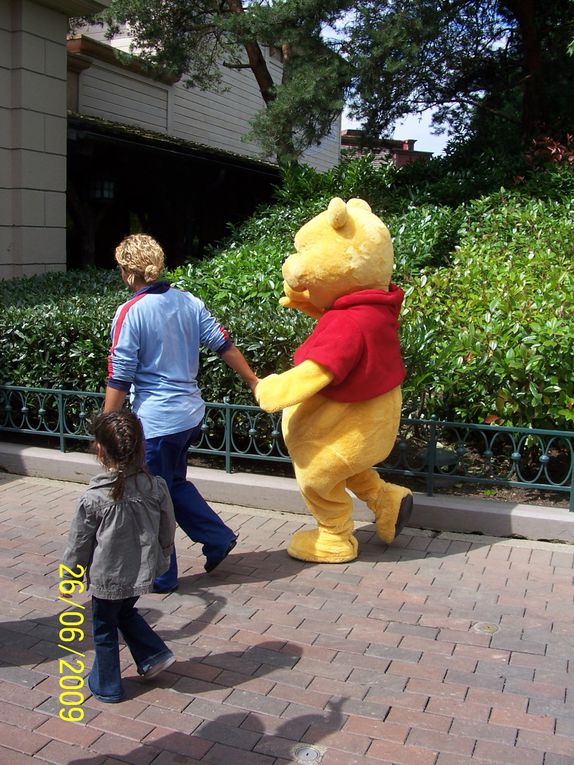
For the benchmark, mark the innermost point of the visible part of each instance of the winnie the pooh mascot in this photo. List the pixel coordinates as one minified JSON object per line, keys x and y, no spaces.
{"x":341,"y":400}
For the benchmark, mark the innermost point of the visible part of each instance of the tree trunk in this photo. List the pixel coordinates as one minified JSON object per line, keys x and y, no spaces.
{"x":533,"y":93}
{"x":256,"y":59}
{"x":258,"y":65}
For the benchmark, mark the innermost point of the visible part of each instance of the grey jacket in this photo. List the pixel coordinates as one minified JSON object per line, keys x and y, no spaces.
{"x":122,"y":544}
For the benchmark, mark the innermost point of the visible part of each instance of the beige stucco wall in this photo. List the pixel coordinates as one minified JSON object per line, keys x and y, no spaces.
{"x":33,"y":133}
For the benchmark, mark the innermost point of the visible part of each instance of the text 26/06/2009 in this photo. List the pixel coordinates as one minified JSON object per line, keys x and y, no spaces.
{"x":71,"y":668}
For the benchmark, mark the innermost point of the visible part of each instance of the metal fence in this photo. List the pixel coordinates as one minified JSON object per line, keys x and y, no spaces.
{"x":436,"y":452}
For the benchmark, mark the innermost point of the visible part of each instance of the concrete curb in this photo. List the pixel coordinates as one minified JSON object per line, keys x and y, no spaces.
{"x":438,"y":513}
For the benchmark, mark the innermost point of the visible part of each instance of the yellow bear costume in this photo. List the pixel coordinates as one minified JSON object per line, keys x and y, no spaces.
{"x":342,"y":399}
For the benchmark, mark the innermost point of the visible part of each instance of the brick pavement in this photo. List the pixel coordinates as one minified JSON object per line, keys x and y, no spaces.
{"x":442,"y":649}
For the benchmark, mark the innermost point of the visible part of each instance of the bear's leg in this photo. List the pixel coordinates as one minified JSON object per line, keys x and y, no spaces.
{"x":391,"y":504}
{"x":332,"y":507}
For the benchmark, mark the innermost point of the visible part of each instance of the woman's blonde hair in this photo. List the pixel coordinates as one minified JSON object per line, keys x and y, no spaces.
{"x":140,"y":255}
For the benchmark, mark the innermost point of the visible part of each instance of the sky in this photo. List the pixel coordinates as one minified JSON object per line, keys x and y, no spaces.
{"x":414,"y":126}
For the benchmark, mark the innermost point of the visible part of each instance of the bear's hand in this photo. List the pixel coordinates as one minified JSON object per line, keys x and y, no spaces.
{"x":276,"y":392}
{"x":300,"y":301}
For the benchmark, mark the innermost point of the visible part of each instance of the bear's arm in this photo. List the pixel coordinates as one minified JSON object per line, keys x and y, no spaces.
{"x":276,"y":392}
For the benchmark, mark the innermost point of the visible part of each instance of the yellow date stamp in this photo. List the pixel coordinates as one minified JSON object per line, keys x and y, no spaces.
{"x":71,"y":668}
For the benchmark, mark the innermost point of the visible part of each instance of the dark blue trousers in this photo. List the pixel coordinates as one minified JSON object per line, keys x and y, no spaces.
{"x":146,"y":646}
{"x":166,"y":456}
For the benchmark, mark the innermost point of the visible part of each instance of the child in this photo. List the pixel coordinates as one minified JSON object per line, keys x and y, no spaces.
{"x":123,"y":535}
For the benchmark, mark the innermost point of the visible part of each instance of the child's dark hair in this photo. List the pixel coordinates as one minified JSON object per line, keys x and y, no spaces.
{"x":121,"y":437}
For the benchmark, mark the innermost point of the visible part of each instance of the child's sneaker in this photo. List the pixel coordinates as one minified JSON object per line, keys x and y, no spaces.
{"x":155,"y":669}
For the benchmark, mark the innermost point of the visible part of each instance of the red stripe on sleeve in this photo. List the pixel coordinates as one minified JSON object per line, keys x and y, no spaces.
{"x":117,"y":330}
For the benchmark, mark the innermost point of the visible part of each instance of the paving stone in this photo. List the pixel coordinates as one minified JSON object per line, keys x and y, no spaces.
{"x":366,"y":708}
{"x":374,"y":661}
{"x":61,"y":753}
{"x":219,"y":754}
{"x":425,"y":721}
{"x":69,"y":732}
{"x":24,"y":741}
{"x":113,"y":723}
{"x":254,"y":702}
{"x":558,"y":759}
{"x":169,"y":758}
{"x":401,"y":754}
{"x":218,"y":732}
{"x":21,"y":696}
{"x":21,"y":717}
{"x":441,"y":742}
{"x":21,"y":676}
{"x":509,"y":755}
{"x":293,"y":729}
{"x":543,"y":742}
{"x":125,"y":749}
{"x":10,"y":757}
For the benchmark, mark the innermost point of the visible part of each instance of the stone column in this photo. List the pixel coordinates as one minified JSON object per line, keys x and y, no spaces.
{"x":33,"y":133}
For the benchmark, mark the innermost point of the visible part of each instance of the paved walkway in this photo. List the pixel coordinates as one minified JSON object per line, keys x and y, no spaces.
{"x":442,"y":649}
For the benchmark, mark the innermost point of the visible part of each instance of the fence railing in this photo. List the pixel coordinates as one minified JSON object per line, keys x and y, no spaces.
{"x":438,"y":453}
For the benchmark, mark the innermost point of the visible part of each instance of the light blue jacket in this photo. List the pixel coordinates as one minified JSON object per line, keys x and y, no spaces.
{"x":156,"y":337}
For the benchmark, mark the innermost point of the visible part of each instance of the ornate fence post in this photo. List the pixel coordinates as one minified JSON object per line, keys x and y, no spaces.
{"x":61,"y":419}
{"x":431,"y":455}
{"x":227,"y":426}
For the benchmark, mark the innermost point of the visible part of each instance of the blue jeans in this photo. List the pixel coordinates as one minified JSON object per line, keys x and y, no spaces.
{"x":146,"y":646}
{"x":166,"y":456}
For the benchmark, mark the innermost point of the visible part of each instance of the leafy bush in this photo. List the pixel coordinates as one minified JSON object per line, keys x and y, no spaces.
{"x":424,"y":237}
{"x":487,"y":328}
{"x":359,"y":177}
{"x":54,"y":329}
{"x":57,"y":288}
{"x":492,"y":336}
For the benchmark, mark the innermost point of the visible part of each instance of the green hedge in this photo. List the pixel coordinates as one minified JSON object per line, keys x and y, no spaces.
{"x":487,"y":328}
{"x":54,"y":328}
{"x":492,"y":335}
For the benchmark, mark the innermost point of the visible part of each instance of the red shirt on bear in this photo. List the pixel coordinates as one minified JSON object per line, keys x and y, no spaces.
{"x":357,"y":340}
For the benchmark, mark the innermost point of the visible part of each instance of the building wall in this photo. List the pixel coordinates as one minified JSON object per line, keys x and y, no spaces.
{"x":108,"y":92}
{"x":216,"y":119}
{"x":32,"y":139}
{"x":327,"y":154}
{"x":33,"y":133}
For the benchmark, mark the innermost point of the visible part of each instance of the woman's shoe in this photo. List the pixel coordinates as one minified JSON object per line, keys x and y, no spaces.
{"x":212,"y":563}
{"x":161,"y":591}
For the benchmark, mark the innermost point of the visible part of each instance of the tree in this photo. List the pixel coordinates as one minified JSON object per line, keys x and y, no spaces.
{"x":192,"y":38}
{"x":475,"y":62}
{"x":497,"y":68}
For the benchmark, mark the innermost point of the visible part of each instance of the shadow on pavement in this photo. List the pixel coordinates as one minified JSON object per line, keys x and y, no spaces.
{"x":227,"y":737}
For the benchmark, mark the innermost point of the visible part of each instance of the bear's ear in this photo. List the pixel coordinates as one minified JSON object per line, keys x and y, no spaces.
{"x":359,"y":204}
{"x":337,"y":213}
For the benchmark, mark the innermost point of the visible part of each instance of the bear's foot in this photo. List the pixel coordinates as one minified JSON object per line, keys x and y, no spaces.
{"x":320,"y":546}
{"x":392,"y":510}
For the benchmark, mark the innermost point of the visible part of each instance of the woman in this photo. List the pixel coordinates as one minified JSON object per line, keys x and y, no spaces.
{"x":156,"y":336}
